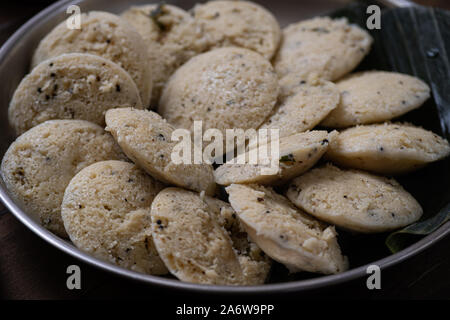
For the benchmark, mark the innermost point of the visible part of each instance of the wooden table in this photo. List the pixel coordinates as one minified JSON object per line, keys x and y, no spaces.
{"x":32,"y":269}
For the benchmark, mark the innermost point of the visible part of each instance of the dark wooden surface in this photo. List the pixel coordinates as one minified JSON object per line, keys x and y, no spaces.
{"x":32,"y":269}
